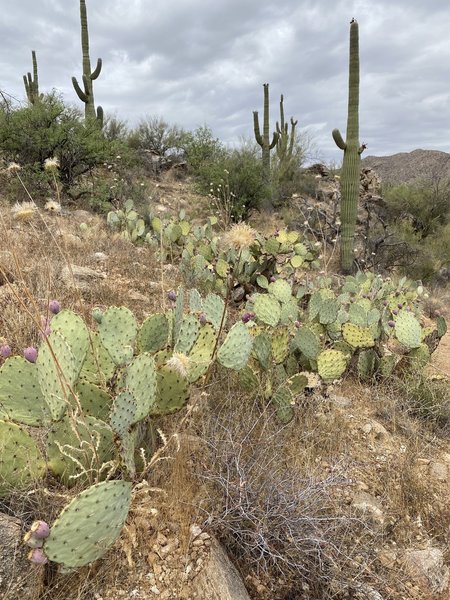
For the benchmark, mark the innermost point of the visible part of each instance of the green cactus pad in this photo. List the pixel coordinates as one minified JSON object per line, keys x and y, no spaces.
{"x":281,"y":290}
{"x":21,"y":399}
{"x":328,"y":312}
{"x":79,"y":447}
{"x":331,"y":364}
{"x":127,"y":452}
{"x":356,"y":336}
{"x":308,"y":342}
{"x":280,"y":344}
{"x":189,"y":330}
{"x":267,"y":309}
{"x":408,"y":330}
{"x":262,"y":349}
{"x":441,"y":326}
{"x":367,"y":364}
{"x":74,"y":331}
{"x":89,"y":525}
{"x":387,"y":364}
{"x":177,"y":315}
{"x":195,"y":301}
{"x":57,"y":372}
{"x":213,"y":307}
{"x":297,"y":383}
{"x":117,"y":332}
{"x":289,"y":312}
{"x":141,"y":382}
{"x":123,"y":412}
{"x":315,"y":302}
{"x":153,"y":334}
{"x":98,"y":366}
{"x":418,"y":358}
{"x":235,"y":350}
{"x":283,"y":402}
{"x":172,"y":391}
{"x":21,"y":463}
{"x":357,"y":315}
{"x":248,"y":379}
{"x":202,"y":352}
{"x":94,"y":401}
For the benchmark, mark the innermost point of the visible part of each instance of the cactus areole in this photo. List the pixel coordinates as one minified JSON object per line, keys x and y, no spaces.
{"x":351,"y":163}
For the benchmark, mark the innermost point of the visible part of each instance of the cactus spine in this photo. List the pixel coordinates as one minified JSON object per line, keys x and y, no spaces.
{"x":285,"y":142}
{"x":87,"y":96}
{"x":264,"y":139}
{"x":31,"y":83}
{"x":350,"y":173}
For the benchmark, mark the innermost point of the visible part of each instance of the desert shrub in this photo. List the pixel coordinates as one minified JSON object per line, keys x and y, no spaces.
{"x":155,"y":134}
{"x":114,"y":128}
{"x":30,"y":135}
{"x":203,"y":152}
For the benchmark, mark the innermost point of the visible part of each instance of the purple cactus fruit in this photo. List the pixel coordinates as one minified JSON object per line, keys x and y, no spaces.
{"x":54,"y":307}
{"x":40,"y":529}
{"x":202,"y":318}
{"x":272,"y":279}
{"x":32,"y":541}
{"x":395,"y":311}
{"x":391,"y":323}
{"x":30,"y":354}
{"x":248,"y":316}
{"x":385,"y":303}
{"x":297,"y":324}
{"x":5,"y":351}
{"x":400,"y":305}
{"x":37,"y":556}
{"x":172,"y":295}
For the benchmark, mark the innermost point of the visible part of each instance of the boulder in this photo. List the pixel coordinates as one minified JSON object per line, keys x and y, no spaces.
{"x":82,"y":278}
{"x":18,"y":577}
{"x":427,"y":569}
{"x":219,"y":579}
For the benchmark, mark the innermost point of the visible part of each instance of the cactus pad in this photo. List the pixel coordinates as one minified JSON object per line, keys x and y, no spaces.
{"x":141,"y":382}
{"x":172,"y":391}
{"x":89,"y":525}
{"x":280,"y":344}
{"x":98,"y":366}
{"x":153,"y":334}
{"x":189,"y":330}
{"x":367,"y":364}
{"x":213,"y":307}
{"x":267,"y":309}
{"x":21,"y":399}
{"x":281,"y":290}
{"x":357,"y":336}
{"x":202,"y":352}
{"x":94,"y":401}
{"x":75,"y":332}
{"x":408,"y":330}
{"x":117,"y":331}
{"x":262,"y":349}
{"x":235,"y":351}
{"x":331,"y":364}
{"x":308,"y":342}
{"x":21,"y":463}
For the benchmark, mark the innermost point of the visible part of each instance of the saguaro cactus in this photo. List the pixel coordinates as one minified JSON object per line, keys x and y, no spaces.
{"x":87,"y":96}
{"x":285,"y":142}
{"x":31,"y":82}
{"x":351,"y":164}
{"x":264,"y":139}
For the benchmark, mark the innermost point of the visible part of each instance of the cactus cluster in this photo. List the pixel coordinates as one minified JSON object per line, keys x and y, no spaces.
{"x":31,"y":82}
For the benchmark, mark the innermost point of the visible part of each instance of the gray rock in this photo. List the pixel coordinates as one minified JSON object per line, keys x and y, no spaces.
{"x":427,"y":569}
{"x":18,"y":577}
{"x":219,"y":579}
{"x":370,"y":506}
{"x":82,"y":278}
{"x":439,"y":471}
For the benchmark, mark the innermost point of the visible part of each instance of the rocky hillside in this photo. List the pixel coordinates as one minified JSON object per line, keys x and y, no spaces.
{"x":406,"y":167}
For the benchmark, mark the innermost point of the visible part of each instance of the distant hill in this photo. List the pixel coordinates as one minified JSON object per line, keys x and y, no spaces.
{"x":407,"y":167}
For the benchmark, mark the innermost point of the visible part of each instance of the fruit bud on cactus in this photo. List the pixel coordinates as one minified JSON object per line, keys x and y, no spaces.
{"x":97,"y":314}
{"x":5,"y":351}
{"x":248,"y":316}
{"x":297,"y":324}
{"x":172,"y":295}
{"x":37,"y":556}
{"x":32,"y":541}
{"x":40,"y":529}
{"x":391,"y":323}
{"x":202,"y":318}
{"x":54,"y":307}
{"x":30,"y":354}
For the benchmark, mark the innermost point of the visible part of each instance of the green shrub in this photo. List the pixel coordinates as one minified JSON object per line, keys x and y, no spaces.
{"x":155,"y":134}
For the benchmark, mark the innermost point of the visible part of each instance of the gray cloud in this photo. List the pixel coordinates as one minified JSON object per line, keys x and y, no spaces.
{"x":196,"y":62}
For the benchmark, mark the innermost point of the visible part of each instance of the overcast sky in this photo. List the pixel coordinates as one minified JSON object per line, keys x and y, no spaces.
{"x":198,"y":62}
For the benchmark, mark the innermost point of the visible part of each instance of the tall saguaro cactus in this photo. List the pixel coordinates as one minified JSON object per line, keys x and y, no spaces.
{"x":264,"y":139}
{"x":87,"y":95}
{"x":31,"y":82}
{"x":285,"y":142}
{"x":351,"y":165}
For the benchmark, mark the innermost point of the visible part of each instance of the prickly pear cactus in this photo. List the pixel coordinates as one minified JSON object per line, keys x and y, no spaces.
{"x":89,"y":525}
{"x":21,"y":399}
{"x":153,"y":334}
{"x":202,"y":352}
{"x":94,"y":400}
{"x":235,"y":350}
{"x":74,"y":330}
{"x":357,"y":336}
{"x":117,"y":331}
{"x":408,"y":330}
{"x":213,"y":307}
{"x":331,"y":364}
{"x":172,"y":391}
{"x":189,"y":330}
{"x":21,"y":463}
{"x":98,"y":366}
{"x":308,"y":342}
{"x":267,"y":309}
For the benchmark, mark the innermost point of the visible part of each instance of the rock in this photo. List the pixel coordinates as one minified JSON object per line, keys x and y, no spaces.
{"x":100,"y":256}
{"x":82,"y":278}
{"x":365,"y":592}
{"x":341,"y":401}
{"x":439,"y":471}
{"x":18,"y":577}
{"x":219,"y":578}
{"x":369,"y":505}
{"x":426,"y":568}
{"x":376,"y":429}
{"x":135,"y":295}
